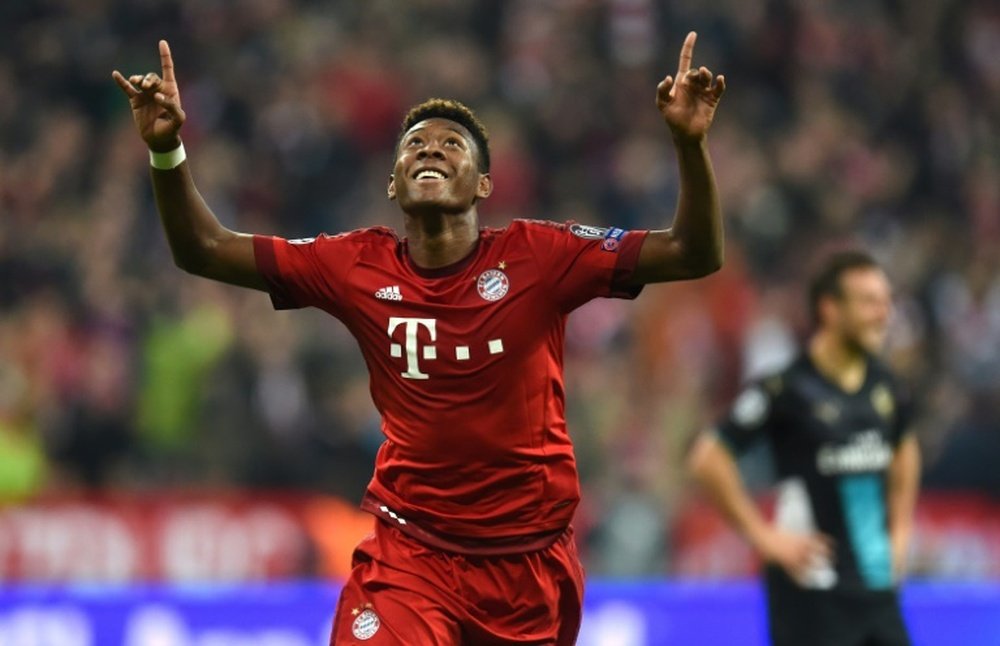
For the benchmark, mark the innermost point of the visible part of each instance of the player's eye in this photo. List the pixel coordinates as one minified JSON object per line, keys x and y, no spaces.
{"x":414,"y":141}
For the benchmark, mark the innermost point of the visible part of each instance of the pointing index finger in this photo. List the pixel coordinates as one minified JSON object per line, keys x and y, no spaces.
{"x":126,"y":87}
{"x":687,"y":52}
{"x":166,"y":62}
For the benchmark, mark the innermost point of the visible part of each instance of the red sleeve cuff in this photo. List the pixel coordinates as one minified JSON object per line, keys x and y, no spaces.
{"x":263,"y":250}
{"x":628,"y":258}
{"x":266,"y":256}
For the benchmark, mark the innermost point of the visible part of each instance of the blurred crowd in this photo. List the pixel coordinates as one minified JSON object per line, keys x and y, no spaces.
{"x":871,"y":123}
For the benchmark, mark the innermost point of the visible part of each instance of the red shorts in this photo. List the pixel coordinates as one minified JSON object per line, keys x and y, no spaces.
{"x":403,"y":592}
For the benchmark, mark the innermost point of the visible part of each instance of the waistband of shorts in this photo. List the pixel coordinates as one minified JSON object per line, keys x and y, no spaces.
{"x":461,"y":544}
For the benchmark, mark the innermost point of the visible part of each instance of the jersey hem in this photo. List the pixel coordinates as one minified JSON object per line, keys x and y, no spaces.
{"x":460,"y":544}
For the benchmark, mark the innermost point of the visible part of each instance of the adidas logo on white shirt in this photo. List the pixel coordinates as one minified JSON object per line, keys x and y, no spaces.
{"x":390,"y":293}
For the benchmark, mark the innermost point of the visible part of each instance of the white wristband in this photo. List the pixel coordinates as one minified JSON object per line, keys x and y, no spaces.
{"x":167,"y":160}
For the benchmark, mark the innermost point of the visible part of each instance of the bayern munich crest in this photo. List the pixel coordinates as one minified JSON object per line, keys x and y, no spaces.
{"x":493,"y":284}
{"x":365,"y":625}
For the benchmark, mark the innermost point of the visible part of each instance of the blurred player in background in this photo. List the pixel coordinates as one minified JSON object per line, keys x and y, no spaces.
{"x":462,"y":331}
{"x":848,"y":470}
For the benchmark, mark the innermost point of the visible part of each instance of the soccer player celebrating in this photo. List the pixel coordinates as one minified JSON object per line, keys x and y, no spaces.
{"x":461,"y":328}
{"x":848,"y":470}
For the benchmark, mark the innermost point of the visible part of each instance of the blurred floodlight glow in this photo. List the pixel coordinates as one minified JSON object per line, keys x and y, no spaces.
{"x":614,"y":624}
{"x":156,"y":625}
{"x":31,"y":625}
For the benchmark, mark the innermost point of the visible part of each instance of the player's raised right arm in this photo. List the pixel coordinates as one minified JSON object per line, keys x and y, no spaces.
{"x":199,"y":243}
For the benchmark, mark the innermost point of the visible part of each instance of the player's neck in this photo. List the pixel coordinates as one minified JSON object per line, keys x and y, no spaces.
{"x":841,"y":364}
{"x":442,"y":239}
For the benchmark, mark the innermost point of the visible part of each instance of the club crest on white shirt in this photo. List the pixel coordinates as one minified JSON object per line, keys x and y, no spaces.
{"x":493,"y":284}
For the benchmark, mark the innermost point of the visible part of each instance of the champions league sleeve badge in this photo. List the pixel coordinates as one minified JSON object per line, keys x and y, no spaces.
{"x":587,"y":232}
{"x":751,"y":408}
{"x":612,"y":239}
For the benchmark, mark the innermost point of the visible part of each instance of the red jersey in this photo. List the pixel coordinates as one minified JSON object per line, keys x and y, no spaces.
{"x":466,"y":366}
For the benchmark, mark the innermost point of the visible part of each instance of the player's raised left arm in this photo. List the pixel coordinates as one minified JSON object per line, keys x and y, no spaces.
{"x":904,"y":480}
{"x":693,"y":246}
{"x":200,"y":244}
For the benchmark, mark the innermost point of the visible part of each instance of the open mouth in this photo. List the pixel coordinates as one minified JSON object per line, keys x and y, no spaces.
{"x":429,"y":174}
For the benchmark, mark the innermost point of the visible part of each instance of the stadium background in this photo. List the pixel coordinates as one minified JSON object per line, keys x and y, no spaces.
{"x":160,"y":430}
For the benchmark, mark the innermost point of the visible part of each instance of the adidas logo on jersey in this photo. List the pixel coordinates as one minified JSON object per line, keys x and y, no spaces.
{"x":390,"y":293}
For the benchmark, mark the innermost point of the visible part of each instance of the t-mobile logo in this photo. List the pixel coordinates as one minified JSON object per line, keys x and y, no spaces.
{"x":428,"y":351}
{"x":396,"y":350}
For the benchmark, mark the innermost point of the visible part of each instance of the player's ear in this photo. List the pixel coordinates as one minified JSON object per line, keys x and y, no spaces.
{"x":485,"y":186}
{"x":827,"y":307}
{"x":391,"y":188}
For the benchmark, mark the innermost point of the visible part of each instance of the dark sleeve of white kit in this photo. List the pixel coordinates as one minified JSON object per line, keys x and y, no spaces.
{"x":903,"y":414}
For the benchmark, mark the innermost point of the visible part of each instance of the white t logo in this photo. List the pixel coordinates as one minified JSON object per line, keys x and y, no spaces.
{"x":396,"y":350}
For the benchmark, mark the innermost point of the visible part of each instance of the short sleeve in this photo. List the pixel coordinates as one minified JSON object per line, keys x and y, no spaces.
{"x":306,"y":272}
{"x":903,"y":419}
{"x":581,"y":262}
{"x":751,"y":416}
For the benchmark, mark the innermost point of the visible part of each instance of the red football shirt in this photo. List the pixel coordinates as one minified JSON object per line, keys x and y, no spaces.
{"x":465,"y":364}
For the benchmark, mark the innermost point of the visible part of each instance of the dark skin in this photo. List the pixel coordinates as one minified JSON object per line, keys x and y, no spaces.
{"x":439,"y":214}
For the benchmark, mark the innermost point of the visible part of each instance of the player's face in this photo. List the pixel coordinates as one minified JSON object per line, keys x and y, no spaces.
{"x":864,"y":308}
{"x":436,"y":169}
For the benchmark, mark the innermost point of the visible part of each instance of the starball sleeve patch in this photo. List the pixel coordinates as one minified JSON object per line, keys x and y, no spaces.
{"x":588,"y":232}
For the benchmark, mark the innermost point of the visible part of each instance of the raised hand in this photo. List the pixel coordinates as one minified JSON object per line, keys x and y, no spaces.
{"x":156,"y":103}
{"x":688,"y":101}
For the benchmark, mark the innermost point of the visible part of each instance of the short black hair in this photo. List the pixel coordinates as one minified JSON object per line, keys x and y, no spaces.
{"x":827,"y":281}
{"x":453,"y":111}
